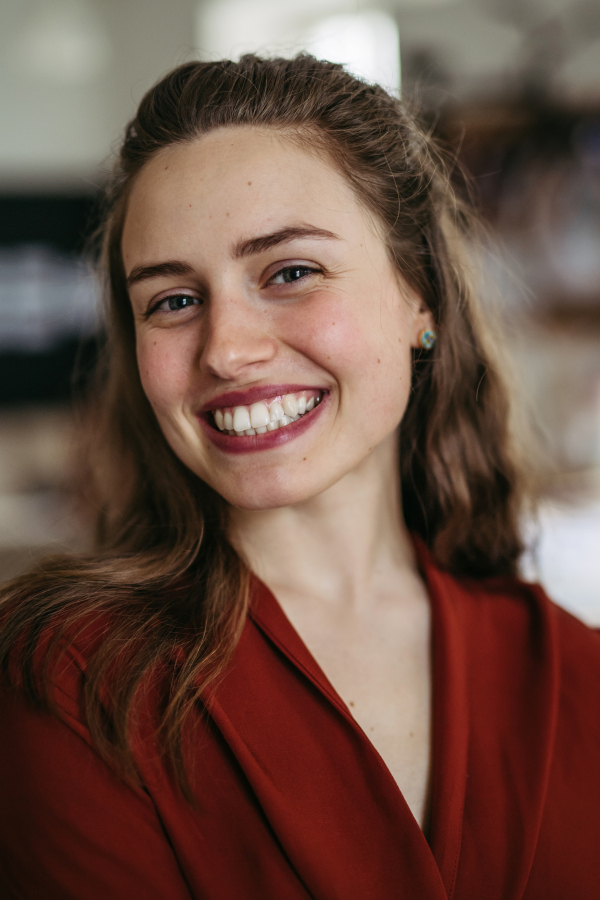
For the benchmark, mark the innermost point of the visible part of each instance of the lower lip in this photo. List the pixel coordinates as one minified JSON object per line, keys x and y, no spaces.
{"x":255,"y":442}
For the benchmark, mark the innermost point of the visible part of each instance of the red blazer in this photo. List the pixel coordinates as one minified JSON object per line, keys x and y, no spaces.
{"x":294,"y":802}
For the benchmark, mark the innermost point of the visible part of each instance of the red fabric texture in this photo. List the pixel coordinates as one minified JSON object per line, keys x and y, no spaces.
{"x":294,"y":802}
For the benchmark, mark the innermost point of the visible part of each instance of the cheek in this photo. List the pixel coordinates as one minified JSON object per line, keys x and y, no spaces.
{"x":330,"y":333}
{"x":365,"y":350}
{"x":164,"y":371}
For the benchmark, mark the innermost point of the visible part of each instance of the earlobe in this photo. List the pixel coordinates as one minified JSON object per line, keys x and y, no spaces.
{"x":427,"y":338}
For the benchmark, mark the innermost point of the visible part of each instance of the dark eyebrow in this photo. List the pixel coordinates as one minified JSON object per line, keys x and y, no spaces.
{"x":266,"y":241}
{"x":243,"y":248}
{"x":156,"y":270}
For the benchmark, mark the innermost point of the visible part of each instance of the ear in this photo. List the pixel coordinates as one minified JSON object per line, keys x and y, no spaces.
{"x":422,"y":320}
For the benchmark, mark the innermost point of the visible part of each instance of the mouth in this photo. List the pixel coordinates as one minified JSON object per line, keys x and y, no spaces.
{"x":267,"y":422}
{"x":269,"y":414}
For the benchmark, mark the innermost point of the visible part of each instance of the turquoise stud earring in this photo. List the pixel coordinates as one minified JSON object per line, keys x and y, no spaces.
{"x":427,"y":339}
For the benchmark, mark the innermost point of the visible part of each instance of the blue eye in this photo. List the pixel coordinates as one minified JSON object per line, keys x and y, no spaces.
{"x":290,"y":274}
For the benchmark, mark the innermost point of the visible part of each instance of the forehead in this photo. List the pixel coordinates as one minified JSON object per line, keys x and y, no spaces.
{"x":234,"y":181}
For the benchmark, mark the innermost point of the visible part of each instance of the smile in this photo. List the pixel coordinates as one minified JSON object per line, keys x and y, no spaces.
{"x":266,"y":415}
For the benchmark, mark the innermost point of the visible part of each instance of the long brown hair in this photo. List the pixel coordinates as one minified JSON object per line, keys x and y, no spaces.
{"x":164,"y":586}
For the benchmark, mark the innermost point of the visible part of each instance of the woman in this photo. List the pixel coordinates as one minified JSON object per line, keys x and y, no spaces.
{"x":299,"y":663}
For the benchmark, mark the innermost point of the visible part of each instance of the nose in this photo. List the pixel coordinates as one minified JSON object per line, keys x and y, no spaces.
{"x":238,"y":339}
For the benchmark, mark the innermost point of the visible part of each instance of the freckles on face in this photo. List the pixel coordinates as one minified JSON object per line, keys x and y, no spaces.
{"x":367,"y":337}
{"x":219,"y":310}
{"x":164,"y":365}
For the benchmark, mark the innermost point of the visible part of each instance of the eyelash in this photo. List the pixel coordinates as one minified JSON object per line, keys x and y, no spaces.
{"x":164,"y":300}
{"x":308,"y":270}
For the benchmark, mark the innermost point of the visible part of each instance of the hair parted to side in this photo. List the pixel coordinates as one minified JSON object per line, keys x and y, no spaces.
{"x":165,"y":590}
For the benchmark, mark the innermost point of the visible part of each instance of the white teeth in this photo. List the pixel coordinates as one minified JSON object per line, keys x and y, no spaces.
{"x":259,"y":415}
{"x":290,"y":405}
{"x":260,"y":418}
{"x":241,"y":419}
{"x":276,"y":411}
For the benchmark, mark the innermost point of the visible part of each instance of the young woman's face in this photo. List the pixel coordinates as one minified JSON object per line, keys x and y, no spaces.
{"x":265,"y":301}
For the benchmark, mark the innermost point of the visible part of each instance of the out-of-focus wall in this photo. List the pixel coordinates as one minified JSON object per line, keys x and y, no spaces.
{"x":71,"y":73}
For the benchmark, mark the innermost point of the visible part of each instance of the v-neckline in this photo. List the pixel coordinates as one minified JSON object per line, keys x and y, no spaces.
{"x":449,"y":710}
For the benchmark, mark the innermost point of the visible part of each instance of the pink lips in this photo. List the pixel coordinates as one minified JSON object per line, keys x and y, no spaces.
{"x":252,"y":443}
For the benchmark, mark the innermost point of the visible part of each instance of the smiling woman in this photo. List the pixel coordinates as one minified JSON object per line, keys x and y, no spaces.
{"x":301,"y":626}
{"x":272,"y":267}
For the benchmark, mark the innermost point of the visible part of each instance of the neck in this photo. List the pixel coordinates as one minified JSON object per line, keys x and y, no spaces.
{"x":338,"y":546}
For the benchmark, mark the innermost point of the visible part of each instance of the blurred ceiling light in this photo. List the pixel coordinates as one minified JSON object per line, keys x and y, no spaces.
{"x":64,"y":42}
{"x":366,"y":43}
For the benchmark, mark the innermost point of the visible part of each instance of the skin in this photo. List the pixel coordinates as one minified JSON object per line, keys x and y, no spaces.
{"x":318,"y":517}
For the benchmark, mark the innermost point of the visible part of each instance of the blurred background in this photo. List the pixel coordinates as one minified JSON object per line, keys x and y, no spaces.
{"x":511,"y":86}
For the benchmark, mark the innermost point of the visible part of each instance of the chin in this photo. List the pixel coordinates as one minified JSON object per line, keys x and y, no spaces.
{"x":265,"y":490}
{"x":269,"y":497}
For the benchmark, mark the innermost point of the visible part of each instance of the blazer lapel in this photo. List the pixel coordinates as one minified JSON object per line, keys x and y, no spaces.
{"x":450,"y":722}
{"x":332,"y":803}
{"x":497,"y":684}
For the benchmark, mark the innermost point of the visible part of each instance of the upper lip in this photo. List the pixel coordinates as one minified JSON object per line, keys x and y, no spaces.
{"x":254,"y":394}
